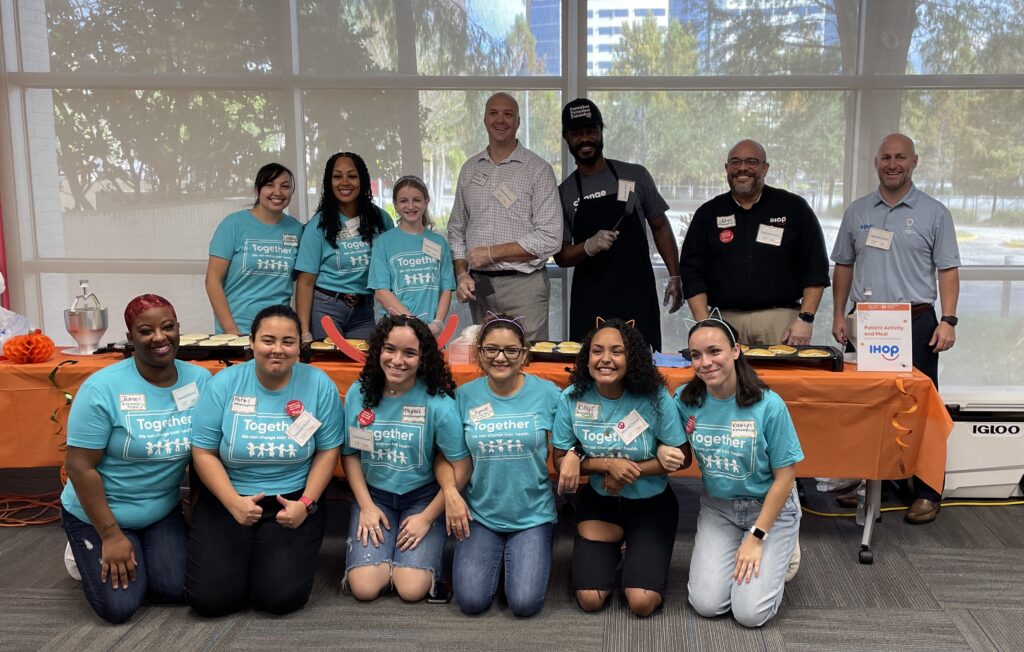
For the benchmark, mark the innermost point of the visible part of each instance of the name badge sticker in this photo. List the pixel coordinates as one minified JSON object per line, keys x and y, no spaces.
{"x":769,"y":235}
{"x":243,"y":404}
{"x":505,"y":195}
{"x":631,"y":427}
{"x":725,"y":221}
{"x":743,"y":429}
{"x":431,"y":248}
{"x":132,"y":402}
{"x":302,"y":428}
{"x":290,"y":240}
{"x":588,"y":411}
{"x":625,"y":187}
{"x":351,"y":228}
{"x":879,"y":238}
{"x":360,"y":439}
{"x":479,"y":178}
{"x":414,"y":414}
{"x":186,"y":397}
{"x":485,"y":411}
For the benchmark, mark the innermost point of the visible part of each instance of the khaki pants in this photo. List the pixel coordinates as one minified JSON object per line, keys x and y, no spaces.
{"x":521,"y":295}
{"x":760,"y":327}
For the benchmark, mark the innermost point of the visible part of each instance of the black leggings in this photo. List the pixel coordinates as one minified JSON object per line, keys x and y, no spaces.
{"x":231,"y":565}
{"x":649,"y":525}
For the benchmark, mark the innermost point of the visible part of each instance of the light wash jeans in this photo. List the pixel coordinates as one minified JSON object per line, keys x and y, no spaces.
{"x":477,"y":567}
{"x":721,"y":527}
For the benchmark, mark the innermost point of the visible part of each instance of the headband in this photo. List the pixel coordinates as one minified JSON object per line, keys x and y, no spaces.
{"x":714,"y":315}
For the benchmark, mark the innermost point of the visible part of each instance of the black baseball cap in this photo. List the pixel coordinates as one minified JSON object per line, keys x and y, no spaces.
{"x":581,"y":112}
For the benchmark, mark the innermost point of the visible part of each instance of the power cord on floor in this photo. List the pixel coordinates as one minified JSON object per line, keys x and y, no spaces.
{"x":19,"y":511}
{"x":903,"y":509}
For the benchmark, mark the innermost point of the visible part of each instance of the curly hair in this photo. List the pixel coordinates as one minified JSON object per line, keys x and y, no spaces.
{"x":433,"y":370}
{"x":371,"y":218}
{"x":749,"y":386}
{"x":642,"y":377}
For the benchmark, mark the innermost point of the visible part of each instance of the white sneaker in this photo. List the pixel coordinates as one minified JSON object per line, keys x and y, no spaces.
{"x":794,"y":560}
{"x":69,"y":563}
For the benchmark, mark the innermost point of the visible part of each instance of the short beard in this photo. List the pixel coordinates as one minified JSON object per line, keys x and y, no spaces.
{"x":598,"y":153}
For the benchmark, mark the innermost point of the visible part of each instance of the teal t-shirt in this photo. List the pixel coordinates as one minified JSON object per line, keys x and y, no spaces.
{"x":737,"y":448}
{"x":507,"y":436}
{"x":247,"y":424}
{"x":344,"y":269}
{"x":261,"y":258}
{"x":595,"y":422}
{"x":405,"y":430}
{"x":402,"y":264}
{"x":145,"y":437}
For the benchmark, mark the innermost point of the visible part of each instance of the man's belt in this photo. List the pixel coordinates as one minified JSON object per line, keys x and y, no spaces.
{"x":350,"y":300}
{"x":500,"y":272}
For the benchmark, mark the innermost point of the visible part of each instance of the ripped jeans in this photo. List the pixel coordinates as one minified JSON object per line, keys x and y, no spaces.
{"x":159,"y":552}
{"x":397,"y":507}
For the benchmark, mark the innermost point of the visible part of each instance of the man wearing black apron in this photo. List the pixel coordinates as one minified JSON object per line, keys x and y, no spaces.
{"x":604,"y":240}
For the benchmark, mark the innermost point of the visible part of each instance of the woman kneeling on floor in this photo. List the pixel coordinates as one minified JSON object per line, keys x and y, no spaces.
{"x":609,"y":422}
{"x":128,"y":446}
{"x":397,"y":414}
{"x":265,"y":444}
{"x":746,"y":446}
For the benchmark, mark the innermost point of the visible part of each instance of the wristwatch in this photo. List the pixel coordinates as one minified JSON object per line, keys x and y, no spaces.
{"x":806,"y":317}
{"x":950,"y":319}
{"x":758,"y":533}
{"x":578,"y":451}
{"x":310,"y":504}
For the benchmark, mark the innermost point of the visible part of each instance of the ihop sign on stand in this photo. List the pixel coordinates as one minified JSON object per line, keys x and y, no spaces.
{"x":884,"y":337}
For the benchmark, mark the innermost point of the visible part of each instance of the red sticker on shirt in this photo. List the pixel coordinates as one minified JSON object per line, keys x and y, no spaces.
{"x":726,"y":236}
{"x":293,"y":408}
{"x":366,"y":417}
{"x":691,"y":423}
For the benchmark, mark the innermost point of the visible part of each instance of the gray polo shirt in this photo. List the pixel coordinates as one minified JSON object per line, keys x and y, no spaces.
{"x":923,"y":240}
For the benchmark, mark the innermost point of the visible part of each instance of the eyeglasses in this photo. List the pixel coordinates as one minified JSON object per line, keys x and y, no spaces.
{"x":511,"y":352}
{"x":749,"y":162}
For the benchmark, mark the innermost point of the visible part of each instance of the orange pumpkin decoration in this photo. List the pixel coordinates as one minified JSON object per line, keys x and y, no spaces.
{"x":33,"y":347}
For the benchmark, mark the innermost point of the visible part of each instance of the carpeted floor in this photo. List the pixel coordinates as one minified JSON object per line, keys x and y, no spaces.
{"x":957,"y":584}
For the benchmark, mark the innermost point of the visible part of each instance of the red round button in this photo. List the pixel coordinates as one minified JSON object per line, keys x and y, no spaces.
{"x":726,"y":236}
{"x":366,"y":417}
{"x":293,"y":408}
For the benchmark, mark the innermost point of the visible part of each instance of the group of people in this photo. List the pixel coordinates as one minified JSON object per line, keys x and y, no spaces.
{"x":425,"y":459}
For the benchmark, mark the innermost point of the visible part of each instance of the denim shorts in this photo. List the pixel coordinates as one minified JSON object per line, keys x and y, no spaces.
{"x":397,"y":507}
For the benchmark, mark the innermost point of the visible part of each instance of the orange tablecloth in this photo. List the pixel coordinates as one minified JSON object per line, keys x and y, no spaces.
{"x":851,"y":424}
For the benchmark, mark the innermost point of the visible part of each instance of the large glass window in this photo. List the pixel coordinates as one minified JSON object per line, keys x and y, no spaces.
{"x":134,"y":127}
{"x":754,"y":37}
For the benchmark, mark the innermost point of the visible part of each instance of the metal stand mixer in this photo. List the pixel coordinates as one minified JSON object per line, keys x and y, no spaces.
{"x":86,"y":321}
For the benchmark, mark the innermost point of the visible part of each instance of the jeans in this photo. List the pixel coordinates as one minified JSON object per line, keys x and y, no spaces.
{"x":477,"y":567}
{"x":230,"y":565}
{"x":352,"y":322}
{"x":159,"y":553}
{"x":721,"y":527}
{"x":397,"y":507}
